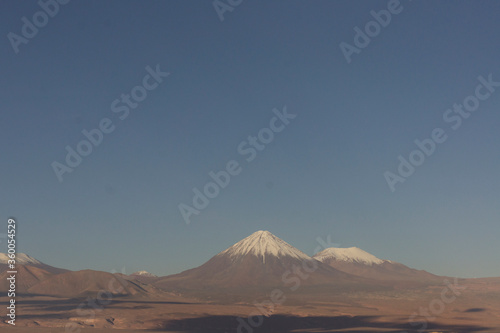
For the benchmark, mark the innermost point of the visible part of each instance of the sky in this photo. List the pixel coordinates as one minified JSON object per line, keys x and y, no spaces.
{"x":323,"y":174}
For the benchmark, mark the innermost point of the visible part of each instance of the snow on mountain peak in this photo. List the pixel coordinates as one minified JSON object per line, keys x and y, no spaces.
{"x":350,"y":254}
{"x":263,"y":243}
{"x":144,"y":273}
{"x":21,"y":258}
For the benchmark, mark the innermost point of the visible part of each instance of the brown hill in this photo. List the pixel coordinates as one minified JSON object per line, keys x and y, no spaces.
{"x":89,"y":282}
{"x":26,"y":277}
{"x":30,"y":271}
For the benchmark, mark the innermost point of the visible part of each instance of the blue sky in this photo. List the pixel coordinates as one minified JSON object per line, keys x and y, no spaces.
{"x":322,"y":175}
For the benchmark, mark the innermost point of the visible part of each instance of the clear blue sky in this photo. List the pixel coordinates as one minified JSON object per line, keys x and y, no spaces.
{"x":322,"y":175}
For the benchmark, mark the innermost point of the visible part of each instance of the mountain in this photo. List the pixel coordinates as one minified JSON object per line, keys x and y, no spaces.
{"x":23,"y":259}
{"x":30,"y":272}
{"x":263,"y":244}
{"x":142,"y":276}
{"x":259,"y":261}
{"x":26,"y":277}
{"x":36,"y":277}
{"x":143,"y":273}
{"x":90,"y":283}
{"x":357,"y":262}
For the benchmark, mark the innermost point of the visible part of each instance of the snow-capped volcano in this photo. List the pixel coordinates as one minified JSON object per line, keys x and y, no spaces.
{"x":260,"y":260}
{"x":355,"y":261}
{"x":143,"y":273}
{"x":264,"y":244}
{"x":21,"y":259}
{"x":350,"y":254}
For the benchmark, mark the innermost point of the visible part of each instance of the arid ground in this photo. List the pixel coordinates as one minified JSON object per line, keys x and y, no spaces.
{"x":476,"y":308}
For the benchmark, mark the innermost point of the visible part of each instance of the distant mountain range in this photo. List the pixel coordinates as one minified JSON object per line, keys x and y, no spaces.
{"x":258,"y":262}
{"x":35,"y":277}
{"x":261,"y":260}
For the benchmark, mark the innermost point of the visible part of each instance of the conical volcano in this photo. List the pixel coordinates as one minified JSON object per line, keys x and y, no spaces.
{"x":259,"y":260}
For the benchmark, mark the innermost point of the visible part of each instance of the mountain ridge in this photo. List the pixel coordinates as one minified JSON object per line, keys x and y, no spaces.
{"x":358,"y":262}
{"x":350,"y":254}
{"x":257,"y":262}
